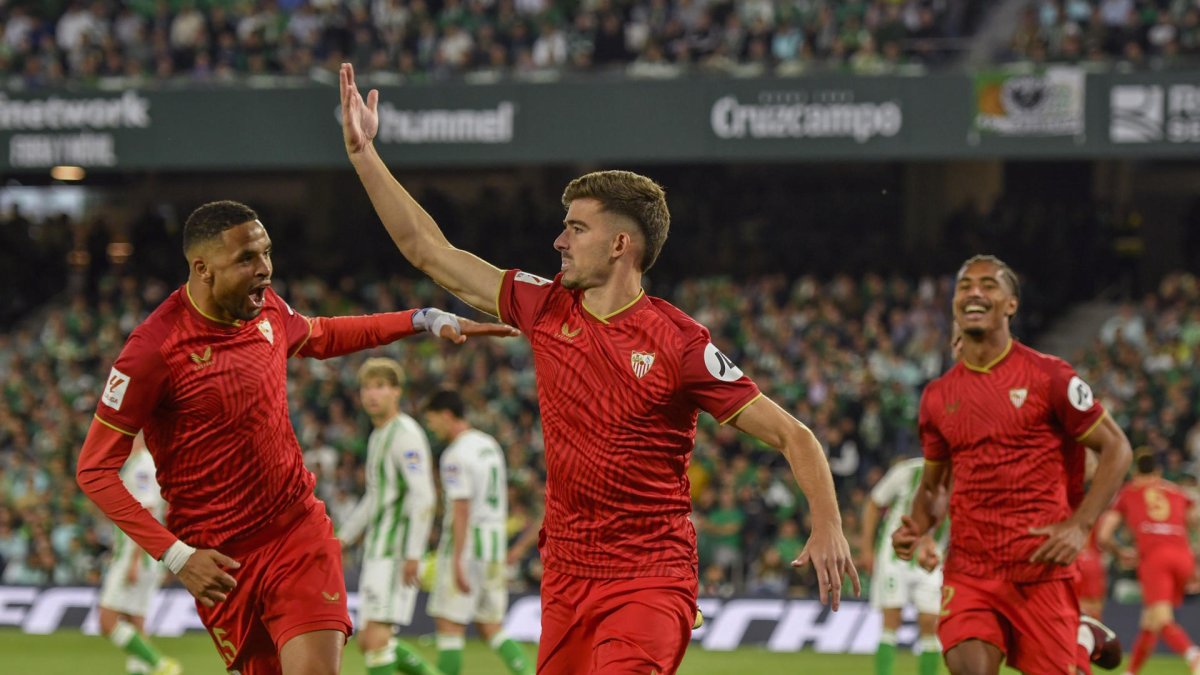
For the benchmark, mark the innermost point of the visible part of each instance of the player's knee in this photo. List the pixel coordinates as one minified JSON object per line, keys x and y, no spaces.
{"x":374,"y":637}
{"x":973,"y":658}
{"x":1157,"y":616}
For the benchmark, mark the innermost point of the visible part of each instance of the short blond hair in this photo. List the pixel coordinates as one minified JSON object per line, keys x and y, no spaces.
{"x":631,"y":195}
{"x":378,"y":368}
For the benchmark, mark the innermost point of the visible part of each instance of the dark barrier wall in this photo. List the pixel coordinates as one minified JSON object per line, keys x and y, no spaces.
{"x":1057,"y":113}
{"x":777,"y":624}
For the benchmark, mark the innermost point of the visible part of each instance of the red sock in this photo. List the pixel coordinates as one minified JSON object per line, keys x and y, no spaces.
{"x":1142,"y":648}
{"x":1176,"y":638}
{"x":1083,"y":660}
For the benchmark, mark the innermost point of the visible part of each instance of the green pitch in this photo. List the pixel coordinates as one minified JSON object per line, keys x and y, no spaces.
{"x":71,"y":653}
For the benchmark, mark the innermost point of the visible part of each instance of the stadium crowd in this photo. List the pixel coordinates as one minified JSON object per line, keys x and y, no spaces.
{"x":1133,"y":34}
{"x":848,"y":355}
{"x":52,"y":43}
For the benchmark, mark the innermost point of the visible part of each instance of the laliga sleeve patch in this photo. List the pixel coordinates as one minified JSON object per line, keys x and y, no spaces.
{"x":719,"y":365}
{"x":114,"y":389}
{"x":533,"y":279}
{"x":1080,"y":394}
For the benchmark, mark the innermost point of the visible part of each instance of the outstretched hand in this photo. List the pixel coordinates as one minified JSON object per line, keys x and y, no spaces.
{"x":467,"y":328}
{"x":829,"y":552}
{"x":360,"y":120}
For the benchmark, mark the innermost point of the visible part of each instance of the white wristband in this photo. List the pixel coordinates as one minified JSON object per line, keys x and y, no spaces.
{"x":177,"y":556}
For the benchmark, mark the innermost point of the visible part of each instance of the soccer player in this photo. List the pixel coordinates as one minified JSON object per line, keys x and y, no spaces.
{"x":470,"y":584}
{"x":1000,"y":422}
{"x":204,"y":377}
{"x":1159,"y":514}
{"x":621,"y":377}
{"x":896,"y":583}
{"x":133,"y":577}
{"x":396,"y":513}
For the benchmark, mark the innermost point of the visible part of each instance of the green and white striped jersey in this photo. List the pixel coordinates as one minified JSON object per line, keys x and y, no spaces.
{"x":140,"y":478}
{"x":895,"y":492}
{"x":473,"y":468}
{"x":397,"y":510}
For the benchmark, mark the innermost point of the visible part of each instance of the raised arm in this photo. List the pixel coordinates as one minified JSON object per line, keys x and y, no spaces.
{"x":827,"y":547}
{"x":418,"y":237}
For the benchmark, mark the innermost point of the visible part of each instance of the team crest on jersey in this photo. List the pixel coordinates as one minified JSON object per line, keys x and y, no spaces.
{"x":1017,"y":396}
{"x":641,"y":362}
{"x":264,"y":327}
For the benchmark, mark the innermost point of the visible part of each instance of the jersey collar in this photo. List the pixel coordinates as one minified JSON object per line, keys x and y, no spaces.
{"x":195,"y":308}
{"x":612,"y":317}
{"x":987,"y":368}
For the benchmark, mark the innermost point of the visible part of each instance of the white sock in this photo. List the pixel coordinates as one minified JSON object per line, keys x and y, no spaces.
{"x":1086,"y":639}
{"x":888,"y":637}
{"x":384,"y":656}
{"x":497,"y":640}
{"x":136,"y":665}
{"x":122,"y":634}
{"x":447,"y":643}
{"x":929,"y":644}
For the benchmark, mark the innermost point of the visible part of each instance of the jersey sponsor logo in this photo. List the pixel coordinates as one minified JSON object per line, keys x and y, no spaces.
{"x":532,"y":279}
{"x":1080,"y":394}
{"x":1017,"y":396}
{"x":641,"y":362}
{"x":412,"y":459}
{"x":720,"y":366}
{"x":115,"y":388}
{"x":568,"y":333}
{"x":264,"y":327}
{"x":202,"y":360}
{"x":450,"y":474}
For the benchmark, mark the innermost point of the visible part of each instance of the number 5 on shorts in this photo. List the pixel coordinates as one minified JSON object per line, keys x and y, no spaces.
{"x":947,"y":596}
{"x":228,"y":649}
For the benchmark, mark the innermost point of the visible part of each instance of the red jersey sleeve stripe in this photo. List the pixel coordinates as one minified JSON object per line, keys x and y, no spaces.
{"x":743,"y":407}
{"x":305,"y":340}
{"x":114,"y":427}
{"x":1093,"y":427}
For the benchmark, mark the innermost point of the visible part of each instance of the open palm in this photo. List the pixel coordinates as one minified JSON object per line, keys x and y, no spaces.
{"x":360,"y":121}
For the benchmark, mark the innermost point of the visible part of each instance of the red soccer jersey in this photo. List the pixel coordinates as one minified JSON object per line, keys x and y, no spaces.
{"x":211,"y":398}
{"x":619,"y":397}
{"x":1009,"y":431}
{"x":1157,"y":512}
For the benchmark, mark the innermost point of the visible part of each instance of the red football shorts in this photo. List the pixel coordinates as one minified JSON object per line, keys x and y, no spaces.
{"x":1092,"y":581}
{"x":614,"y":626}
{"x":1036,"y":625}
{"x":290,"y":583}
{"x":1164,"y":572}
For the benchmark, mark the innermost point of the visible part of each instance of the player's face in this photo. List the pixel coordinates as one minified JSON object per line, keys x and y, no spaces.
{"x":437,"y":422}
{"x":586,"y":244}
{"x":983,"y":299}
{"x":240,"y":264}
{"x":379,"y":397}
